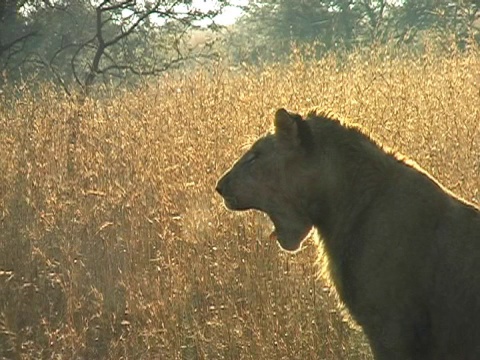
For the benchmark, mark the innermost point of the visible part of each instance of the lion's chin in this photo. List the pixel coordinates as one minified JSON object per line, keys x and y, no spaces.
{"x":290,"y":240}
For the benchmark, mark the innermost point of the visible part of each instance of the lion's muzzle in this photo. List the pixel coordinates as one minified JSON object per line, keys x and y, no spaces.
{"x":224,"y":188}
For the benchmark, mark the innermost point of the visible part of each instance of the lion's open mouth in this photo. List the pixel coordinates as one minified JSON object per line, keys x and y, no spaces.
{"x":289,"y":239}
{"x":232,"y":203}
{"x":229,"y":202}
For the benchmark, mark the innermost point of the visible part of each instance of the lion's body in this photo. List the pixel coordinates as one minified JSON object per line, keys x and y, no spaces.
{"x":403,"y":252}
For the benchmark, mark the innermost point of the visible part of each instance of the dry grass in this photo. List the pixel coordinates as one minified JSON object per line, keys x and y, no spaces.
{"x":130,"y":255}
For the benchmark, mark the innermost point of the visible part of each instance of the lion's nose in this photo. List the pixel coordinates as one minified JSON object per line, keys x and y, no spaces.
{"x":220,"y":188}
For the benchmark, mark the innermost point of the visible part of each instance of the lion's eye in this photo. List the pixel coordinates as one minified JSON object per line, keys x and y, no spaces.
{"x":250,"y":158}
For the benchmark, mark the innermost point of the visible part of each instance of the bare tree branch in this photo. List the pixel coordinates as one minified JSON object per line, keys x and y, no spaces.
{"x":81,"y":40}
{"x":137,"y":19}
{"x":9,"y":45}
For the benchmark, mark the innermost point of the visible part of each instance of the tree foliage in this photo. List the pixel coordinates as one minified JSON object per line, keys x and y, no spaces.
{"x":270,"y":26}
{"x":79,"y":42}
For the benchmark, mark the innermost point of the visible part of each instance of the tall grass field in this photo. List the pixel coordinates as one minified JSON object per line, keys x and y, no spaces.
{"x":113,"y":244}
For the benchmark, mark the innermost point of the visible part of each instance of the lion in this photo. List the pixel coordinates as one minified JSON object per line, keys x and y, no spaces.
{"x":403,"y":251}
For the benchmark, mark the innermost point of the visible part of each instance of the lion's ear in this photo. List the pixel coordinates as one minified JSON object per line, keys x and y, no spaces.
{"x":286,"y":128}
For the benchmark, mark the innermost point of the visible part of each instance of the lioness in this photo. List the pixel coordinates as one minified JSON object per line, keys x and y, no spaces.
{"x":404,"y":252}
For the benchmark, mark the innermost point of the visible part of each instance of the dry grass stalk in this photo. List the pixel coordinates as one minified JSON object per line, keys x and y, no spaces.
{"x":133,"y":257}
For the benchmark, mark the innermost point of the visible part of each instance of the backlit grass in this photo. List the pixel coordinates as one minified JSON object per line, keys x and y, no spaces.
{"x":113,"y":244}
